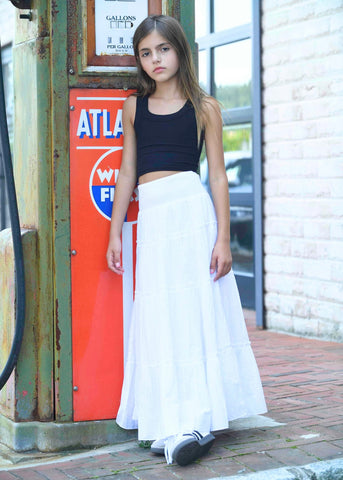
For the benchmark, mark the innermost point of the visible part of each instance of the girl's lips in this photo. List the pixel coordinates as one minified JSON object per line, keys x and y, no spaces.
{"x":158,"y":69}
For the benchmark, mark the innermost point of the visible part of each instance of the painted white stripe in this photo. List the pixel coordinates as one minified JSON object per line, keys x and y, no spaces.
{"x":99,"y":148}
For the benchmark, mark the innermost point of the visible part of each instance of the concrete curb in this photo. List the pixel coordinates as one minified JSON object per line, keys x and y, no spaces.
{"x":55,"y":437}
{"x":325,"y":470}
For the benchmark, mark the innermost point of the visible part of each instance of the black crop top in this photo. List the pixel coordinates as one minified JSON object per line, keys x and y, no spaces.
{"x":166,"y":142}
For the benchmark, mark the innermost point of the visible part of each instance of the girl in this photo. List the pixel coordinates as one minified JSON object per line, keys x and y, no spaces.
{"x":190,"y":368}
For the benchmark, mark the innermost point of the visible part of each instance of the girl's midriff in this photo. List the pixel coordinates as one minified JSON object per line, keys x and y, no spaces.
{"x":149,"y":177}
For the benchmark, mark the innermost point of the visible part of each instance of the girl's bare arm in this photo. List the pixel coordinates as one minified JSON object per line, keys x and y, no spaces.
{"x":221,"y":260}
{"x":125,"y":185}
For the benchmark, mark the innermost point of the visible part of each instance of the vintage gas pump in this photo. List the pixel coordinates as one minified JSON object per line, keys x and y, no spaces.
{"x":73,"y":69}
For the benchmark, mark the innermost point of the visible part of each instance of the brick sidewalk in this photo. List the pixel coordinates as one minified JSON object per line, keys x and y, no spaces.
{"x":303,"y":384}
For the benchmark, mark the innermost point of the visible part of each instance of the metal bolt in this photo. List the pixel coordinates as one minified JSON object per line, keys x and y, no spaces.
{"x":26,"y":16}
{"x":71,"y":71}
{"x":75,"y":388}
{"x":73,"y":252}
{"x":72,"y":108}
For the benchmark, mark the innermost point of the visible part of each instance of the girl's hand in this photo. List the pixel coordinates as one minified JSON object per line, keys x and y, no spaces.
{"x":113,"y":256}
{"x":221,"y":260}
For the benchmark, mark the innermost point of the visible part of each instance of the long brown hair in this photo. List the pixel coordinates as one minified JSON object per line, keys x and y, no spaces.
{"x":171,"y":30}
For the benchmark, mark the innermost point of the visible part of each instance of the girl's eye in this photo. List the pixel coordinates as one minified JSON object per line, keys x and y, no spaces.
{"x":165,"y":49}
{"x":145,"y":54}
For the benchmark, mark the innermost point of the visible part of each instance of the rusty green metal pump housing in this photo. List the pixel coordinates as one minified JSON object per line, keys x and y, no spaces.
{"x":36,"y":405}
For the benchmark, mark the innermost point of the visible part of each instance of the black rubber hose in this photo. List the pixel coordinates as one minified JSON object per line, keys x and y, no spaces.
{"x":5,"y":154}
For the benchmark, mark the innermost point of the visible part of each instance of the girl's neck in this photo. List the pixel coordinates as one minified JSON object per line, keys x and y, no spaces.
{"x":168,"y":91}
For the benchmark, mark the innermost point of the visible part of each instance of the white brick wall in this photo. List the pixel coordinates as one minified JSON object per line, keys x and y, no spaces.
{"x":302,"y":43}
{"x":7,"y":16}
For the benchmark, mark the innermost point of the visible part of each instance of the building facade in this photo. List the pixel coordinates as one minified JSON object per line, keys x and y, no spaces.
{"x":300,"y":66}
{"x":302,"y":72}
{"x":276,"y":66}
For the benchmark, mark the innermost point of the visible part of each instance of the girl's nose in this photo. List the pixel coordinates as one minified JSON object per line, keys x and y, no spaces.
{"x":156,"y":57}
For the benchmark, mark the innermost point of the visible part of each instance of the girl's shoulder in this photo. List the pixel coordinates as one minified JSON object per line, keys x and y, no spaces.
{"x":210,"y":104}
{"x":211,"y":109}
{"x":129,"y":107}
{"x":130,"y":102}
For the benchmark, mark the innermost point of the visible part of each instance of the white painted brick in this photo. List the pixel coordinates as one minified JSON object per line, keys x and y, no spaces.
{"x":302,"y":98}
{"x":315,"y":69}
{"x":335,"y":250}
{"x":286,"y":284}
{"x":321,"y":108}
{"x":336,"y":87}
{"x":311,"y":90}
{"x":330,"y":330}
{"x":303,"y":208}
{"x":272,"y":302}
{"x":330,"y":51}
{"x":328,"y":7}
{"x":275,"y":283}
{"x":284,"y":265}
{"x":336,"y":188}
{"x":336,"y":229}
{"x":278,"y":245}
{"x":285,"y":150}
{"x":310,"y":288}
{"x":288,"y":113}
{"x":316,"y":249}
{"x":336,"y":23}
{"x":304,"y":248}
{"x":331,"y":292}
{"x":277,"y":94}
{"x":331,"y":167}
{"x":290,"y":165}
{"x":316,"y":27}
{"x":275,"y":19}
{"x":304,"y":11}
{"x":271,"y":77}
{"x":294,"y":306}
{"x":279,"y":322}
{"x":316,"y":148}
{"x":270,"y":4}
{"x":284,"y":227}
{"x":335,"y":105}
{"x":290,"y":187}
{"x":271,"y":114}
{"x":327,"y":311}
{"x":276,"y":56}
{"x":305,"y":326}
{"x":337,"y":271}
{"x":330,"y":127}
{"x":335,"y":146}
{"x":317,"y":229}
{"x":319,"y":269}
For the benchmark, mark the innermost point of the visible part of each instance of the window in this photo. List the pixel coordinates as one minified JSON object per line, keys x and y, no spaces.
{"x":227,"y":34}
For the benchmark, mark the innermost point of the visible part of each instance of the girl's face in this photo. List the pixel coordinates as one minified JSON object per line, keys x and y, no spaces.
{"x":158,"y":57}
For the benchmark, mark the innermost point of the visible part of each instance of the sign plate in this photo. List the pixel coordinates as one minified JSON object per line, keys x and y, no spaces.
{"x":101,"y":300}
{"x":115,"y":24}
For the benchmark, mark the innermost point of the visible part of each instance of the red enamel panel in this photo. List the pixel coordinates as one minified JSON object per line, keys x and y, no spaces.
{"x":101,"y":300}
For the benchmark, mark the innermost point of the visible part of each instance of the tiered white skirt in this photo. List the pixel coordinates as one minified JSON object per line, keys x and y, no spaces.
{"x":189,"y":363}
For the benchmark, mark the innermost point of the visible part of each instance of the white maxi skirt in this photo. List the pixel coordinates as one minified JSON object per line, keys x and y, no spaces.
{"x":189,"y":362}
